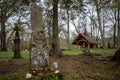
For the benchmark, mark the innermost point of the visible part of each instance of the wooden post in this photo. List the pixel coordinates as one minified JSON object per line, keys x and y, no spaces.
{"x":88,"y":45}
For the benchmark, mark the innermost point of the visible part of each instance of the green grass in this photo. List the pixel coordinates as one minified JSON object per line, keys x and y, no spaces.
{"x":7,"y":55}
{"x":105,"y":52}
{"x":72,"y":52}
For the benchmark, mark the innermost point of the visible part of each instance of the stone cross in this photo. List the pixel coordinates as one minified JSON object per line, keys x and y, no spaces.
{"x":39,"y":54}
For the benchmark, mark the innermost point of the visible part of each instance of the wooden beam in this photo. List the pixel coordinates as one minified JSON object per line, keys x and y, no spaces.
{"x":79,"y":42}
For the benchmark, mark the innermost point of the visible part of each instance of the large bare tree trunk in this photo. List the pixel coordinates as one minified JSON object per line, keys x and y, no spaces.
{"x":3,"y":36}
{"x":55,"y":48}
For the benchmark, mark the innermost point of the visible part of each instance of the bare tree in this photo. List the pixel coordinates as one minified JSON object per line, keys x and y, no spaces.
{"x":117,"y":7}
{"x":99,"y":5}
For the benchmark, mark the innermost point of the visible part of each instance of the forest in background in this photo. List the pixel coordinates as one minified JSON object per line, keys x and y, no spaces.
{"x":99,"y":19}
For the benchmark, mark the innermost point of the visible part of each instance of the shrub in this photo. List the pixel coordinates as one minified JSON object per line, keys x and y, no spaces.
{"x":87,"y":51}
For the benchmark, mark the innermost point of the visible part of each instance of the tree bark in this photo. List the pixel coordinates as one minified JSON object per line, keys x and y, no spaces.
{"x":100,"y":28}
{"x":17,"y":46}
{"x":118,"y":29}
{"x":68,"y":30}
{"x":114,"y":34}
{"x":3,"y":36}
{"x":116,"y":56}
{"x":55,"y":48}
{"x":98,"y":10}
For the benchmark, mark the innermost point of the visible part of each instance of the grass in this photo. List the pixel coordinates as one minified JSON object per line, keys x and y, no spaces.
{"x":6,"y":55}
{"x":72,"y":70}
{"x":72,"y":52}
{"x":105,"y":52}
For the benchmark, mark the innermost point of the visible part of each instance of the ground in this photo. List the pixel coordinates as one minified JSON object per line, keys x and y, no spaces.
{"x":74,"y":67}
{"x":85,"y":67}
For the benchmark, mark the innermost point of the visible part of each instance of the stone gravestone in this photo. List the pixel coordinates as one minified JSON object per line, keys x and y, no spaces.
{"x":36,"y":17}
{"x":39,"y":56}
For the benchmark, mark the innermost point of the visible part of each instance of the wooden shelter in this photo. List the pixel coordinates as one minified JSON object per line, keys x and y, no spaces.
{"x":85,"y":41}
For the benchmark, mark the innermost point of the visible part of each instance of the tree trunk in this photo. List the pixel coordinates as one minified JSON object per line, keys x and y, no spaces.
{"x":92,"y":23}
{"x":3,"y":37}
{"x":17,"y":46}
{"x":100,"y":28}
{"x":68,"y":30}
{"x":116,"y":56}
{"x":98,"y":10}
{"x":118,"y":29}
{"x":55,"y":48}
{"x":114,"y":34}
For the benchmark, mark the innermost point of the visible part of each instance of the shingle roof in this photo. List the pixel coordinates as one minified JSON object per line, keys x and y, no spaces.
{"x":89,"y":39}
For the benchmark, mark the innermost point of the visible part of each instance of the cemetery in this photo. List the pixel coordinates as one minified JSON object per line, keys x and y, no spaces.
{"x":38,"y":41}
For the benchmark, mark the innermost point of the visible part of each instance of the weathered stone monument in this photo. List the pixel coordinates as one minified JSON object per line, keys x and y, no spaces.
{"x":40,"y":66}
{"x":39,"y":54}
